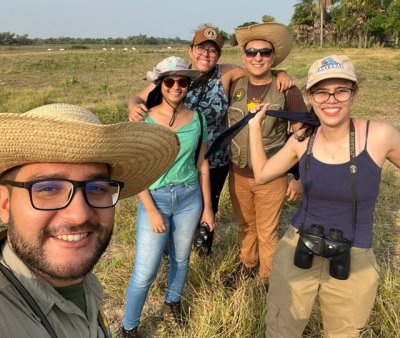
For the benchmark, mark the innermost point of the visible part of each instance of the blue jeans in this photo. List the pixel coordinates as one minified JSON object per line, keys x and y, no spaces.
{"x":181,"y":207}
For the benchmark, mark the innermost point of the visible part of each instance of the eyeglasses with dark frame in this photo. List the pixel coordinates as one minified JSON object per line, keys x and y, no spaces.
{"x":56,"y":194}
{"x":340,"y":95}
{"x":264,"y":52}
{"x":200,"y":49}
{"x":170,"y":82}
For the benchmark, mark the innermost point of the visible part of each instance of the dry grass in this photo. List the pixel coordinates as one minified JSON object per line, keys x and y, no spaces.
{"x":102,"y":81}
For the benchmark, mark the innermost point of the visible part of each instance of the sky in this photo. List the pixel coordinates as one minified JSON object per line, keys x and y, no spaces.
{"x":123,"y":18}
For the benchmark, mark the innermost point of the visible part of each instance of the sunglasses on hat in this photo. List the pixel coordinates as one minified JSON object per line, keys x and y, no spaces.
{"x":170,"y":82}
{"x":264,"y":52}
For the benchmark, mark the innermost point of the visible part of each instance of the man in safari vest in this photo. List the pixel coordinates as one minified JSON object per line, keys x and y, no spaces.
{"x":257,"y":208}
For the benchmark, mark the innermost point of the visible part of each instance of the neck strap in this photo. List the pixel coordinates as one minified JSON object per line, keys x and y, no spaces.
{"x":35,"y":307}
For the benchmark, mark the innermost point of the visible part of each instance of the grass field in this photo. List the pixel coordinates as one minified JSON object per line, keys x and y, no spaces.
{"x":102,"y":81}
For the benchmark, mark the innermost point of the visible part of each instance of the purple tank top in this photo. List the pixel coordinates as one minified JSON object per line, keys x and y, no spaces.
{"x":330,"y":197}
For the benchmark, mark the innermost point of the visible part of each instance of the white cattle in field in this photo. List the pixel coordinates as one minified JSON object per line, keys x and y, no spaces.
{"x":104,"y":48}
{"x":125,"y":49}
{"x":133,"y":48}
{"x":50,"y":49}
{"x":62,"y":49}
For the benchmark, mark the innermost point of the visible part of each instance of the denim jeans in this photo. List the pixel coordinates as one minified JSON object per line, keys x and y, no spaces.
{"x":181,"y":207}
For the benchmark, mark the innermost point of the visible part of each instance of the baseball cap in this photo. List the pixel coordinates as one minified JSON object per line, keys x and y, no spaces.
{"x":333,"y":66}
{"x":207,"y":34}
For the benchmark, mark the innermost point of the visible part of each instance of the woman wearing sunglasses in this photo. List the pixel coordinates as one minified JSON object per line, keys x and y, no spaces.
{"x":169,"y":211}
{"x":210,"y":96}
{"x":327,"y":252}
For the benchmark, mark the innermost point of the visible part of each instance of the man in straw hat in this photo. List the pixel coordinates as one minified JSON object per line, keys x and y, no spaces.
{"x":61,"y":174}
{"x":257,"y":207}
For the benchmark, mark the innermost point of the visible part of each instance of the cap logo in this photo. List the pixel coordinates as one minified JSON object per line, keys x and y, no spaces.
{"x":328,"y":63}
{"x":210,"y":33}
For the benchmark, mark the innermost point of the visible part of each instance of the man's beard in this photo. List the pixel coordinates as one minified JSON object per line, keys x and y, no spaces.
{"x":34,"y":257}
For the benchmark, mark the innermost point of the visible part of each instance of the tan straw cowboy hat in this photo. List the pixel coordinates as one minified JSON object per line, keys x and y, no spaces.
{"x":137,"y":153}
{"x":277,"y":34}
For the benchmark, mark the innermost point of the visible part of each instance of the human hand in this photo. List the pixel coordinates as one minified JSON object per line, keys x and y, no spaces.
{"x":284,"y":81}
{"x":208,"y":217}
{"x":294,"y":191}
{"x":260,"y":114}
{"x":157,"y":222}
{"x":137,"y":112}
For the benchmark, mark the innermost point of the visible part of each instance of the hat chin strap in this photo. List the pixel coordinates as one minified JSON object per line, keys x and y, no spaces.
{"x":174,"y":110}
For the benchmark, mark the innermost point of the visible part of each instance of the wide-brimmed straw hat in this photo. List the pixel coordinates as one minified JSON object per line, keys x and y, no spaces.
{"x":137,"y":153}
{"x":332,"y":66}
{"x":277,"y":34}
{"x":172,"y":65}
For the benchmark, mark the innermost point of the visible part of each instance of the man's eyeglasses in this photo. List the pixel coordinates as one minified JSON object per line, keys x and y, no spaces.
{"x":170,"y":82}
{"x":55,"y":194}
{"x":340,"y":95}
{"x":200,"y":49}
{"x":264,"y":52}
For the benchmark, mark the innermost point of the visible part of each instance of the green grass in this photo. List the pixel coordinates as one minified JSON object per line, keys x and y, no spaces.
{"x":102,"y":81}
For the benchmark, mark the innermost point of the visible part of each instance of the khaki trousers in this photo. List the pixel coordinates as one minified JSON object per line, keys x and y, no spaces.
{"x":345,"y":304}
{"x":257,"y":209}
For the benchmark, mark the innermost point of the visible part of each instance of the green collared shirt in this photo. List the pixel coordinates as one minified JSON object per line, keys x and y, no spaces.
{"x":17,"y":319}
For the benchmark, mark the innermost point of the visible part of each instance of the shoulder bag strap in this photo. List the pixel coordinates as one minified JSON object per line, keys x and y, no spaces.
{"x":196,"y":157}
{"x":29,"y":299}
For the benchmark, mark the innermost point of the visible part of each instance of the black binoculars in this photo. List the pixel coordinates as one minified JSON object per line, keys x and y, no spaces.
{"x":334,"y":247}
{"x":201,"y":237}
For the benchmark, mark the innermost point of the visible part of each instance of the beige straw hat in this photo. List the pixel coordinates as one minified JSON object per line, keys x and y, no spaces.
{"x":138,"y":153}
{"x":276,"y":33}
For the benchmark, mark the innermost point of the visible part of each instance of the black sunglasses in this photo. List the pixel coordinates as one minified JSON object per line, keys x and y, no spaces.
{"x":264,"y":52}
{"x":170,"y":82}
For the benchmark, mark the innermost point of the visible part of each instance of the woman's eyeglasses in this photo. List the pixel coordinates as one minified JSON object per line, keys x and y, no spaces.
{"x":170,"y":82}
{"x":340,"y":95}
{"x":264,"y":52}
{"x":200,"y":49}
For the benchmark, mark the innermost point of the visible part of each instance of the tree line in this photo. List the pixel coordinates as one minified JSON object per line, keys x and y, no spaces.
{"x":361,"y":23}
{"x":347,"y":23}
{"x":12,"y":39}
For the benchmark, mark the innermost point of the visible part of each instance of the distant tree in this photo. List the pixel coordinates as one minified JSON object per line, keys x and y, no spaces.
{"x":267,"y":18}
{"x":323,"y":6}
{"x":394,"y":20}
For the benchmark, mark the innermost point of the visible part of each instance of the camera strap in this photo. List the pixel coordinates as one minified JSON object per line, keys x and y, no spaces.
{"x":353,"y":172}
{"x":36,"y":308}
{"x":29,"y":299}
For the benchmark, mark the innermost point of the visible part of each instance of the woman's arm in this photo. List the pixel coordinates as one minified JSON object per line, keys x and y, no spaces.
{"x":204,"y":179}
{"x":155,"y":217}
{"x":137,"y":104}
{"x":264,"y":169}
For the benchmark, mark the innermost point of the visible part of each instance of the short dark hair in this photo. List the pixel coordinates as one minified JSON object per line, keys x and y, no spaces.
{"x":9,"y":174}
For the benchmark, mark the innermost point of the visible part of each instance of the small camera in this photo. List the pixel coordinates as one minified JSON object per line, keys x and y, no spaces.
{"x":335,"y":247}
{"x":201,"y":237}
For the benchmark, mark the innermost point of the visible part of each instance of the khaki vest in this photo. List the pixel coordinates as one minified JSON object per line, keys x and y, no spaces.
{"x":274,"y":130}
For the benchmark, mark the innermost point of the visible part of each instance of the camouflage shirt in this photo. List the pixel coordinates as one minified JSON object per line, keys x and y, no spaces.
{"x":207,"y":96}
